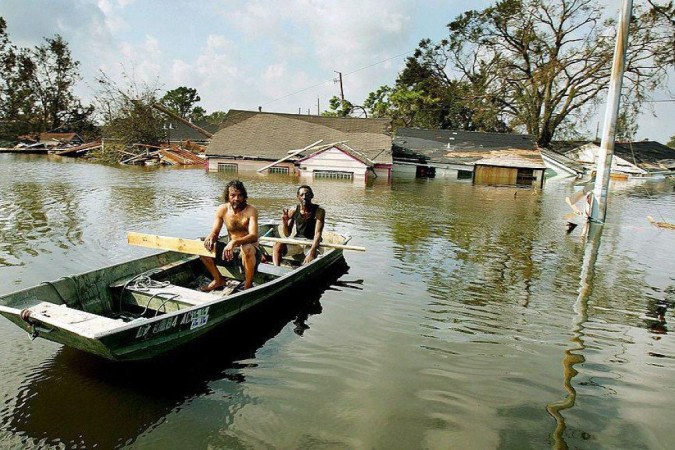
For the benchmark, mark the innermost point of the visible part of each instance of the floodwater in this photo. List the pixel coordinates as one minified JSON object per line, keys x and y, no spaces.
{"x":472,"y":321}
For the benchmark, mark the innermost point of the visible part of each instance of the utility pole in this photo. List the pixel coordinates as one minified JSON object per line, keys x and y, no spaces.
{"x":318,"y":110}
{"x":339,"y":79}
{"x":599,"y":199}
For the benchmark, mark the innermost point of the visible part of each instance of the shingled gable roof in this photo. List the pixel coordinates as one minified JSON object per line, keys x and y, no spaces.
{"x":466,"y":147}
{"x":271,"y":136}
{"x":183,"y":132}
{"x":648,"y":155}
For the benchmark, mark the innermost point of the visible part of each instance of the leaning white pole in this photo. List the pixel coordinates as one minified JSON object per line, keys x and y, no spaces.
{"x":599,"y":203}
{"x":297,"y":152}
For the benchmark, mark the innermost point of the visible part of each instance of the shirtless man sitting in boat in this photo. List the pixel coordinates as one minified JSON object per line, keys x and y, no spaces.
{"x":241,"y":221}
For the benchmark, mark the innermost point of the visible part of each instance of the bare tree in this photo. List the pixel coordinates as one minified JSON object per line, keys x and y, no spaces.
{"x":545,"y":62}
{"x":126,"y":110}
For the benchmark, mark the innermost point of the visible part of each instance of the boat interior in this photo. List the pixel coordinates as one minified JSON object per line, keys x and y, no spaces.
{"x":159,"y":284}
{"x":178,"y":285}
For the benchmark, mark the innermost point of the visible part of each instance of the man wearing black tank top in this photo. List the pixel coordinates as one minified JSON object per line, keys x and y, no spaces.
{"x":308,"y":220}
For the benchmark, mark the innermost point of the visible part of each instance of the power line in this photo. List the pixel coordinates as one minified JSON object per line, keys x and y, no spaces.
{"x":379,"y":62}
{"x":331,"y":80}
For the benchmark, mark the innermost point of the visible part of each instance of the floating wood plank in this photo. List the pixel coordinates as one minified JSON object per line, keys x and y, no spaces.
{"x":190,"y":246}
{"x":77,"y":149}
{"x":666,"y":225}
{"x":297,"y":152}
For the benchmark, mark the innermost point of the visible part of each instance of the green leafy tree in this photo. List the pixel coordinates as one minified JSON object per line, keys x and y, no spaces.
{"x":540,"y":63}
{"x":344,"y":108}
{"x":181,"y":101}
{"x":216,"y":117}
{"x":54,"y":78}
{"x":671,"y":142}
{"x":36,"y":88}
{"x":423,"y":102}
{"x":16,"y":96}
{"x":198,"y":113}
{"x":338,"y":108}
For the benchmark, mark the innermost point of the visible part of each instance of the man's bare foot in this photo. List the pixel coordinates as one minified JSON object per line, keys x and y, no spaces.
{"x":212,"y":286}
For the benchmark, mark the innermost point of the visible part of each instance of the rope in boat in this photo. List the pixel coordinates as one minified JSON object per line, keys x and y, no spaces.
{"x":168,"y":297}
{"x":143,"y":282}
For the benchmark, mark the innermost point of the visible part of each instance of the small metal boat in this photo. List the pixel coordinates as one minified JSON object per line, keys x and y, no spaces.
{"x":144,"y":307}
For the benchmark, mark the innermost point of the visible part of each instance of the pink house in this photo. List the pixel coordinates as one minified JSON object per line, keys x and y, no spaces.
{"x":344,"y":147}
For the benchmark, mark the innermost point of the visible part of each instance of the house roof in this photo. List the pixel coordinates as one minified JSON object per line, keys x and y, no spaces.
{"x":28,"y":138}
{"x":183,"y":132}
{"x":571,"y":164}
{"x":272,"y":135}
{"x":466,"y":147}
{"x":60,"y":137}
{"x":644,"y":154}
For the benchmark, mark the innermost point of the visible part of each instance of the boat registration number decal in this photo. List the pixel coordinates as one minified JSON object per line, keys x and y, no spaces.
{"x":158,"y":327}
{"x":197,"y":318}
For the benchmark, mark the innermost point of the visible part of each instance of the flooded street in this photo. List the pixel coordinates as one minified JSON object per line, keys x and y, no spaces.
{"x":472,"y":321}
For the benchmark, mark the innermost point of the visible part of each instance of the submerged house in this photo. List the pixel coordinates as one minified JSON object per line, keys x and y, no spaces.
{"x":485,"y":158}
{"x":179,"y":132}
{"x":630,"y":158}
{"x":334,"y":147}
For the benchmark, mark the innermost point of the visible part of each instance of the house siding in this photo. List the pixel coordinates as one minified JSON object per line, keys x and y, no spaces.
{"x":506,"y":176}
{"x":333,"y":160}
{"x":246,"y":165}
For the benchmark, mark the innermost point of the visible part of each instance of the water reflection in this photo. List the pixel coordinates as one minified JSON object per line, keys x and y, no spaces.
{"x":78,"y":400}
{"x":575,"y":356}
{"x":489,"y":251}
{"x":36,"y":219}
{"x":457,"y":335}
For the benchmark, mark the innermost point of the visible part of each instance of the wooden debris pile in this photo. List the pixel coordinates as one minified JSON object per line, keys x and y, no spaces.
{"x":150,"y":155}
{"x":77,"y":150}
{"x":179,"y":156}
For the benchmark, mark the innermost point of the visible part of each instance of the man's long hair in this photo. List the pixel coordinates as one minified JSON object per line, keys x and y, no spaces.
{"x":235,"y":184}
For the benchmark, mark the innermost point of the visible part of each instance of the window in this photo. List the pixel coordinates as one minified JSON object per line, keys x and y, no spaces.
{"x":333,"y":174}
{"x":464,"y":175}
{"x":525,"y":177}
{"x":425,"y":172}
{"x":227,"y":167}
{"x":283,"y":170}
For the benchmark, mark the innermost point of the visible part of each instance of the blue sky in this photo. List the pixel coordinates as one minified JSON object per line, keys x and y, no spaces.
{"x":281,"y":55}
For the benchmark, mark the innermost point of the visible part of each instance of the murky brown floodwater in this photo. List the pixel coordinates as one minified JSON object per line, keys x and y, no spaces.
{"x":472,"y":321}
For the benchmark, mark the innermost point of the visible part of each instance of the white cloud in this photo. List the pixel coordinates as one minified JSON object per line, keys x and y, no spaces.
{"x":114,"y":19}
{"x":275,"y":71}
{"x":244,"y":53}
